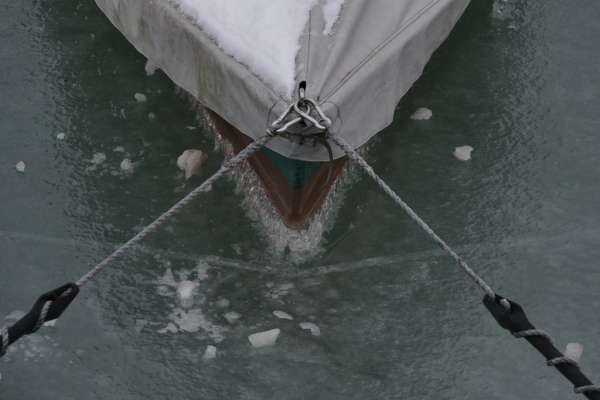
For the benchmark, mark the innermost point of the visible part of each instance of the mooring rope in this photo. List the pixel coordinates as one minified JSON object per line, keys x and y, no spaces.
{"x":46,"y":308}
{"x":508,"y":314}
{"x":226,"y":167}
{"x":355,"y":157}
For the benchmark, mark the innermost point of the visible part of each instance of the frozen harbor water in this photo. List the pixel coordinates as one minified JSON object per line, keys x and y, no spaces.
{"x":515,"y":80}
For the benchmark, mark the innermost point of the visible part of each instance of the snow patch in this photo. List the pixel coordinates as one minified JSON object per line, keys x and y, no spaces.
{"x":262,"y":34}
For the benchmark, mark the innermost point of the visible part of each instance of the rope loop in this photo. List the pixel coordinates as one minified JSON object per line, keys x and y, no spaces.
{"x":533,"y":332}
{"x":562,"y":360}
{"x":587,"y":389}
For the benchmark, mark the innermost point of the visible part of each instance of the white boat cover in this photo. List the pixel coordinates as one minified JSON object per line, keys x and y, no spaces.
{"x":357,"y":73}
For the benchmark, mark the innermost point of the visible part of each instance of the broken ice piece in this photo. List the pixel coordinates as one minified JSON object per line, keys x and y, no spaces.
{"x":98,"y":158}
{"x":150,"y":67}
{"x":60,"y":136}
{"x":222,"y":303}
{"x":267,"y":338}
{"x":140,"y":97}
{"x":421,"y":114}
{"x":463,"y":153}
{"x":191,"y":162}
{"x":185,"y":293}
{"x":574,"y":351}
{"x":20,"y":166}
{"x":170,"y":328}
{"x":211,"y":352}
{"x":283,"y":315}
{"x":50,"y":323}
{"x":313,"y":328}
{"x":151,"y":116}
{"x":232,"y":316}
{"x":127,"y":165}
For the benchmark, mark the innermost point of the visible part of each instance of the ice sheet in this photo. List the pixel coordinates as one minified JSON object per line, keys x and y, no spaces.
{"x":261,"y":34}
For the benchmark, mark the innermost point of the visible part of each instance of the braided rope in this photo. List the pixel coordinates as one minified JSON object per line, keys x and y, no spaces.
{"x":353,"y":155}
{"x":227,"y":166}
{"x":42,"y":317}
{"x":586,"y":389}
{"x":4,"y":344}
{"x":534,"y":332}
{"x":562,"y":360}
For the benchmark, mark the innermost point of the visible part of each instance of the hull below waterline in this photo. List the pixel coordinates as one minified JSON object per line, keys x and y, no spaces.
{"x":296,"y":188}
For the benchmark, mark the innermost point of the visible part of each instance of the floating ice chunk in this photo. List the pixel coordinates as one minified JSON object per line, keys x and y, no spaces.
{"x":313,"y":328}
{"x":222,"y":303}
{"x":140,"y":97}
{"x":20,"y":166}
{"x":267,"y":338}
{"x":574,"y":351}
{"x":119,"y":149}
{"x":50,"y":323}
{"x":191,"y":162}
{"x":463,"y":153}
{"x":168,"y":279}
{"x":421,"y":114}
{"x":170,"y":328}
{"x":232,"y":317}
{"x":211,"y":352}
{"x":127,"y":165}
{"x":185,"y":293}
{"x":283,"y":315}
{"x":16,"y":315}
{"x":191,"y":128}
{"x":61,"y":136}
{"x":98,"y":158}
{"x":150,"y":67}
{"x":151,"y":116}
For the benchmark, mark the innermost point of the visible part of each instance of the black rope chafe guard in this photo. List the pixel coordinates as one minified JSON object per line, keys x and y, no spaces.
{"x":515,"y":321}
{"x":48,"y":307}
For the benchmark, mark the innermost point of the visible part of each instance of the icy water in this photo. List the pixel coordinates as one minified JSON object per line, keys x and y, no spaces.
{"x":517,"y":80}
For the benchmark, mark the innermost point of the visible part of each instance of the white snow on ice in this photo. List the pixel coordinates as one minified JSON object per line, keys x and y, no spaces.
{"x":211,"y":352}
{"x":463,"y":153}
{"x":282,"y":315}
{"x":422,"y":114}
{"x":267,"y":338}
{"x":261,"y":34}
{"x":315,"y":330}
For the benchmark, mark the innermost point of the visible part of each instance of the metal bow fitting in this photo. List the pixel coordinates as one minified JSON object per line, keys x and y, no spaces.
{"x":303,"y":107}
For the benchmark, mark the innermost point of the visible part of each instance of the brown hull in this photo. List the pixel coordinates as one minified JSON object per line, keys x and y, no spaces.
{"x":295,"y":205}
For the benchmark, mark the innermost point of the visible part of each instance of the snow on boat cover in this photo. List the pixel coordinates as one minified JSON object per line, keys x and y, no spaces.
{"x":245,"y":59}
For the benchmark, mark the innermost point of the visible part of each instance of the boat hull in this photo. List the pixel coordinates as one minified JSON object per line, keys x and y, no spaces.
{"x":297,"y":189}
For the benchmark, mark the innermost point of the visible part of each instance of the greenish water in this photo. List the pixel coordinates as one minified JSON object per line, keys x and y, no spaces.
{"x":398,"y":320}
